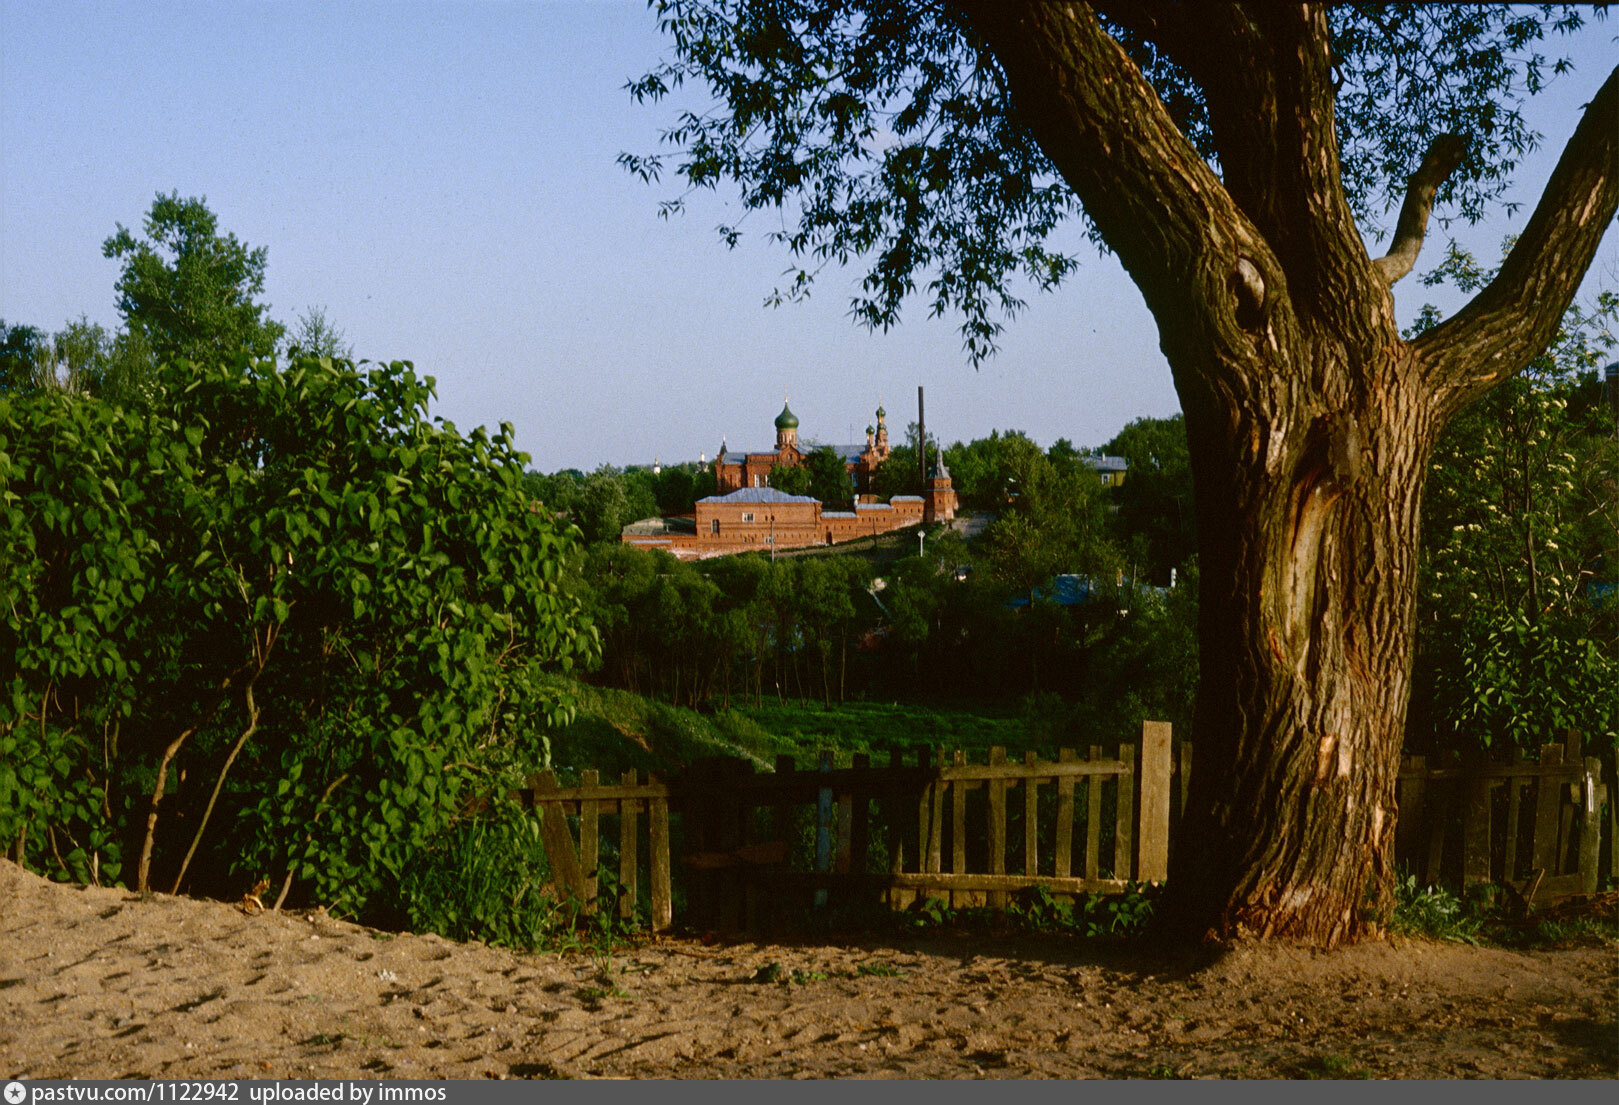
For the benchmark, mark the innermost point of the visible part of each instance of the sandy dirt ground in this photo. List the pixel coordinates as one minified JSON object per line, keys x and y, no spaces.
{"x":97,"y":983}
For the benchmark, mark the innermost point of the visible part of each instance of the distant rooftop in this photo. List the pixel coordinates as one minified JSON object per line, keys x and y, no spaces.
{"x":654,"y":527}
{"x":758,"y":495}
{"x":1107,"y":464}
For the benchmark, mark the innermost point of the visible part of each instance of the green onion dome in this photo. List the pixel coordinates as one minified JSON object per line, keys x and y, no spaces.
{"x":786,"y":420}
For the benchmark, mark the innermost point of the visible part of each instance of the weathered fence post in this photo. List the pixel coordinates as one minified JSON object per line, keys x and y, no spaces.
{"x":959,"y":899}
{"x":559,"y":850}
{"x":1153,"y":811}
{"x":898,"y":898}
{"x":589,"y":843}
{"x":1093,"y":818}
{"x":1591,"y":826}
{"x":1063,"y":859}
{"x":1548,"y":805}
{"x":823,"y":830}
{"x":1124,"y":821}
{"x":997,"y":826}
{"x":1031,"y":813}
{"x":628,"y":862}
{"x":658,"y":861}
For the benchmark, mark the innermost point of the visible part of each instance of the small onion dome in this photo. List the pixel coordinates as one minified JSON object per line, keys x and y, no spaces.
{"x":881,"y":414}
{"x":786,"y":420}
{"x":870,"y":431}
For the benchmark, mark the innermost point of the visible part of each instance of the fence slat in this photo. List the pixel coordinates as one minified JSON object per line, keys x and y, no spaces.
{"x":731,"y":816}
{"x":658,"y":861}
{"x":935,"y":839}
{"x":559,"y":849}
{"x":997,"y":827}
{"x":1476,"y":833}
{"x":1093,"y":820}
{"x":1031,"y":815}
{"x":1438,"y":825}
{"x":1509,"y":870}
{"x":1185,"y":773}
{"x":893,"y":814}
{"x":589,"y":846}
{"x":958,"y":832}
{"x":627,"y":859}
{"x":1410,"y":787}
{"x":1153,"y":843}
{"x":1590,"y":826}
{"x":843,"y":852}
{"x":1548,"y":802}
{"x":782,"y":818}
{"x":859,"y":827}
{"x":1063,"y":857}
{"x":824,"y":815}
{"x":1124,"y":820}
{"x":1566,"y":840}
{"x":924,"y":808}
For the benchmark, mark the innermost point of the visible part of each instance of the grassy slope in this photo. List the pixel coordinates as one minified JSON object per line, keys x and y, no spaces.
{"x":616,"y":730}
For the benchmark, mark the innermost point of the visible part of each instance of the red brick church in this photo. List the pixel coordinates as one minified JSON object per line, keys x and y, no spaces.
{"x":749,"y":515}
{"x":736,"y":470}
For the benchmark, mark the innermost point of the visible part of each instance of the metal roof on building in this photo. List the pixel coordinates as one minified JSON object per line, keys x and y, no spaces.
{"x":905,"y":498}
{"x":872,"y":506}
{"x":655,"y":526}
{"x":1107,"y":464}
{"x":758,"y":495}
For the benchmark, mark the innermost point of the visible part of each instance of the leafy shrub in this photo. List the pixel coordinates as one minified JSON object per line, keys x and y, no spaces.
{"x":279,"y":602}
{"x":1434,"y":912}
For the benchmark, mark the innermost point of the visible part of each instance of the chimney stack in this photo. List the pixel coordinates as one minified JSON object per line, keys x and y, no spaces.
{"x":922,"y":436}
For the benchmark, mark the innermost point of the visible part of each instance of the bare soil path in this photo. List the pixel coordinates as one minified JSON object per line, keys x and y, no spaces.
{"x":96,"y":983}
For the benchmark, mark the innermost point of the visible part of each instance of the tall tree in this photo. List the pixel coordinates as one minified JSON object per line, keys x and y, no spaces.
{"x":1224,"y":152}
{"x":1155,"y":501}
{"x":1520,"y":535}
{"x":189,"y":291}
{"x":829,"y":479}
{"x":318,"y":336}
{"x":25,"y":360}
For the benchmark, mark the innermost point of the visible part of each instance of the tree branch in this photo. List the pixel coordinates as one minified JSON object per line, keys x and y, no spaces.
{"x":1517,"y":314}
{"x":1152,"y":197}
{"x":1444,"y":154}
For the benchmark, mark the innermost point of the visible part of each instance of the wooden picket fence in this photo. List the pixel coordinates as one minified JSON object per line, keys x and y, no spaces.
{"x":742,"y":848}
{"x":749,"y":847}
{"x":1532,"y":825}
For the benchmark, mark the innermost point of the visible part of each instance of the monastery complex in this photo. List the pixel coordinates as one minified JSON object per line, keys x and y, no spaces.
{"x":749,"y":515}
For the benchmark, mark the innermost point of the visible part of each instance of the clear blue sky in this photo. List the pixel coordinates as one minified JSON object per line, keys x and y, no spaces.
{"x":441,"y":178}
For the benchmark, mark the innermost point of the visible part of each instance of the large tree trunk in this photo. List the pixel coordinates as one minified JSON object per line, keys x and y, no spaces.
{"x":1310,"y":420}
{"x":1308,"y":529}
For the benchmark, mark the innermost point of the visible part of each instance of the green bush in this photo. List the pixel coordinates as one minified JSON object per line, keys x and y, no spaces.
{"x":266,"y":622}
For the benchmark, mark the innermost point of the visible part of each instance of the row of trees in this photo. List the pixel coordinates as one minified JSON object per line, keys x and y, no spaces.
{"x":1519,"y":557}
{"x":185,"y":292}
{"x":724,"y":632}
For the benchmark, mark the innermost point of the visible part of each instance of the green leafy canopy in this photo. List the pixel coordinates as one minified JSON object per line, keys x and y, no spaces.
{"x":878,"y":130}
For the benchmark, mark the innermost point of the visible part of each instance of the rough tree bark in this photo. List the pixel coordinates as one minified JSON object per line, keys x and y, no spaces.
{"x":1311,"y":422}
